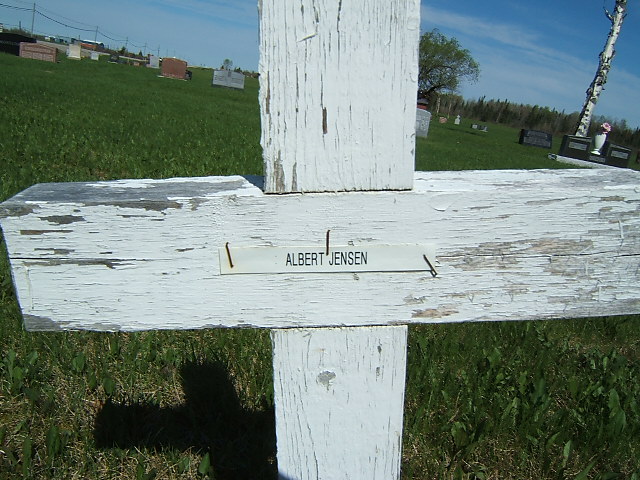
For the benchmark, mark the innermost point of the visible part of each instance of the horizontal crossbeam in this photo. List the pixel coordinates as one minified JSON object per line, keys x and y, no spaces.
{"x":147,"y":254}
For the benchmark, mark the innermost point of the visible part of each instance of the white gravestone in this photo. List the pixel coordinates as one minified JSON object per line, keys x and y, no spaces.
{"x":468,"y":246}
{"x":154,"y":61}
{"x":228,"y":78}
{"x":74,"y":52}
{"x":423,"y":118}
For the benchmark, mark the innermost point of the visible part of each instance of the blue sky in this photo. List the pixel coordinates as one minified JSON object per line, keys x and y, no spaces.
{"x":541,"y":53}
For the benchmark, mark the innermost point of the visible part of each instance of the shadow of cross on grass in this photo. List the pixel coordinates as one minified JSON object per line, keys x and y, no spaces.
{"x":241,"y":443}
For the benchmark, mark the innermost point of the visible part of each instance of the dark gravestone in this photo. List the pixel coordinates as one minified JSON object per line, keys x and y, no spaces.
{"x":535,"y":138}
{"x":575,"y":147}
{"x":10,"y":42}
{"x":617,"y":155}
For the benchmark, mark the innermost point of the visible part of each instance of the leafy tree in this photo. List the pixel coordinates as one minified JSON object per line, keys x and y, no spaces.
{"x":227,"y":64}
{"x":444,"y":64}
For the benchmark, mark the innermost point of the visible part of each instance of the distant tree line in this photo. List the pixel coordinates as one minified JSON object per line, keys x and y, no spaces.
{"x":532,"y":117}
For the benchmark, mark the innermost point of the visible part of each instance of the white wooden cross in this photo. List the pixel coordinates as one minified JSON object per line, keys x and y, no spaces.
{"x":343,"y":248}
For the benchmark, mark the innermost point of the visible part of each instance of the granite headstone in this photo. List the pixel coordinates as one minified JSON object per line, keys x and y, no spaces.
{"x":423,"y":118}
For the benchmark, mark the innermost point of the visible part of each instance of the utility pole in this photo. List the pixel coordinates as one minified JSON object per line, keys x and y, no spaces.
{"x":33,"y":18}
{"x":606,"y":56}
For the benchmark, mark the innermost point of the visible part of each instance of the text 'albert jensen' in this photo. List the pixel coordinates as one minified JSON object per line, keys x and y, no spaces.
{"x":311,"y":259}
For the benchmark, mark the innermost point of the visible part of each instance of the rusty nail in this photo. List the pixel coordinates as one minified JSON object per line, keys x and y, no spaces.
{"x":226,"y":246}
{"x":433,"y":270}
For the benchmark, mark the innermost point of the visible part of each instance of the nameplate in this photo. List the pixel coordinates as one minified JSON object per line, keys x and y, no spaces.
{"x":623,"y":154}
{"x":338,"y":259}
{"x":578,"y":146}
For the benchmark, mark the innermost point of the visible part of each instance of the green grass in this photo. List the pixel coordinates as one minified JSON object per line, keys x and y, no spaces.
{"x":459,"y":147}
{"x":94,"y":120}
{"x":555,"y":400}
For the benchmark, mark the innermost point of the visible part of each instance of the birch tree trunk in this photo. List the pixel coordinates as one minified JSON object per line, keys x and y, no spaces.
{"x":606,"y":57}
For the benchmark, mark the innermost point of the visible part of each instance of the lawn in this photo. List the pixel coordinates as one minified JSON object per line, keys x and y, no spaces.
{"x":556,"y":399}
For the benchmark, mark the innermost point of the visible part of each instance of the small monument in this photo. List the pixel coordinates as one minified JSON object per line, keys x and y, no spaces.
{"x":423,"y":118}
{"x":74,"y":52}
{"x":228,"y":78}
{"x":535,"y":138}
{"x":457,"y":120}
{"x":38,"y":52}
{"x":586,"y":151}
{"x":154,"y":61}
{"x":174,"y":68}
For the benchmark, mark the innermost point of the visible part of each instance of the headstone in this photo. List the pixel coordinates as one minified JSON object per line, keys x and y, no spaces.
{"x":10,"y":42}
{"x":474,"y":126}
{"x":38,"y":52}
{"x":580,"y":148}
{"x":154,"y":61}
{"x":443,"y":119}
{"x":423,"y":118}
{"x":228,"y":78}
{"x":74,"y":52}
{"x":535,"y":138}
{"x":617,"y":155}
{"x":573,"y":146}
{"x":95,"y":56}
{"x":174,"y":68}
{"x":483,"y":128}
{"x":457,"y":120}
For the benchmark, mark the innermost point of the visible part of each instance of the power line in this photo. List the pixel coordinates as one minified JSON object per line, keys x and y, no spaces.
{"x":69,"y":21}
{"x":26,"y":3}
{"x":16,"y":8}
{"x":66,"y":18}
{"x":64,"y":24}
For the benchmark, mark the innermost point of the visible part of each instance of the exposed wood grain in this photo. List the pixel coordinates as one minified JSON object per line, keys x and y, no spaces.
{"x":143,"y":254}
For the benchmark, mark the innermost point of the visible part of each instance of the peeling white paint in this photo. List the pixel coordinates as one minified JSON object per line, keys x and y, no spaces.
{"x":335,"y":82}
{"x":339,"y":396}
{"x":337,"y":94}
{"x":153,"y":263}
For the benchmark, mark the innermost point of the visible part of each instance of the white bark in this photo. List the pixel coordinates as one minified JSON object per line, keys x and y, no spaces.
{"x":606,"y":57}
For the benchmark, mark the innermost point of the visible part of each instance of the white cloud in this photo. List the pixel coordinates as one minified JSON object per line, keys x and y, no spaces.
{"x":518,"y":64}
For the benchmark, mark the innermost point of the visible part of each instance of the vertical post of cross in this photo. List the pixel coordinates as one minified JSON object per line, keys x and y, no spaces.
{"x":338,"y":83}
